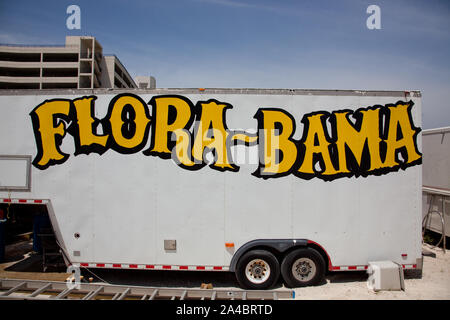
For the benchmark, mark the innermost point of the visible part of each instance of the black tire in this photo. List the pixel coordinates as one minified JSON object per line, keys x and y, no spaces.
{"x":303,"y":267}
{"x":257,"y":269}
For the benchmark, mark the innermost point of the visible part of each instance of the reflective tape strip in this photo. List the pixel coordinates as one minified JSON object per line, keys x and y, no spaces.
{"x":151,"y":266}
{"x":205,"y":268}
{"x":362,"y":268}
{"x":22,"y":201}
{"x":409,"y":266}
{"x":349,"y":268}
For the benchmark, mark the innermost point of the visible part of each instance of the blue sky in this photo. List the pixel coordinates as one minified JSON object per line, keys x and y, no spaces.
{"x":260,"y":44}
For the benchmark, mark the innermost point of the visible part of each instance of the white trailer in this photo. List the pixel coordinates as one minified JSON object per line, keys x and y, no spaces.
{"x":258,"y":182}
{"x":436,"y":180}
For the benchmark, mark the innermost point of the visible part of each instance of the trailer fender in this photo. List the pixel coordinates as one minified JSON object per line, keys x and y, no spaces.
{"x":278,"y":245}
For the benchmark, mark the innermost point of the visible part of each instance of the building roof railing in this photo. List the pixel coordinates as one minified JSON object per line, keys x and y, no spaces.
{"x":36,"y":45}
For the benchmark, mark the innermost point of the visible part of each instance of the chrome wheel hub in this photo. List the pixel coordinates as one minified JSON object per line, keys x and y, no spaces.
{"x":304,"y":269}
{"x":257,"y":271}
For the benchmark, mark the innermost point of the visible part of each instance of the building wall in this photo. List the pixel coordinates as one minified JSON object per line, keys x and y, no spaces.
{"x":145,"y":82}
{"x":78,"y":64}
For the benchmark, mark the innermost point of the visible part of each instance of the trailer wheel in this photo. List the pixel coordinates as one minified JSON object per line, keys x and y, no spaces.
{"x":257,"y":269}
{"x":303,"y":267}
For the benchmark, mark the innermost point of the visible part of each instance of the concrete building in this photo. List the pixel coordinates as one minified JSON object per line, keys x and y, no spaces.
{"x":145,"y":82}
{"x":79,"y":64}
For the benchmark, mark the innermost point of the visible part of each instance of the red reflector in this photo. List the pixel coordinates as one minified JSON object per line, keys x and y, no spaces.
{"x":336,"y":268}
{"x":117,"y":266}
{"x":200,"y":268}
{"x":22,"y":200}
{"x":134,"y":266}
{"x":183,"y":267}
{"x":6,"y":200}
{"x":84,"y":264}
{"x":149,"y":267}
{"x":37,"y":201}
{"x":217,"y":268}
{"x":101,"y":265}
{"x":404,"y":255}
{"x":414,"y":266}
{"x":352,"y":268}
{"x":167,"y":267}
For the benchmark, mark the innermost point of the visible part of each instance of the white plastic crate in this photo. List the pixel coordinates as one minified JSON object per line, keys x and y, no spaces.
{"x":385,"y":275}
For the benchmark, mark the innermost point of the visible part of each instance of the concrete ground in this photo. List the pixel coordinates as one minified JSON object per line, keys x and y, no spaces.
{"x":432,"y":284}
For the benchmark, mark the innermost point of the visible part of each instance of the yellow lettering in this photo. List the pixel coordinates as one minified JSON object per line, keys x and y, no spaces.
{"x":166,"y":121}
{"x":355,"y":140}
{"x":279,"y":151}
{"x":316,"y":131}
{"x":129,"y":123}
{"x":374,"y":140}
{"x":212,"y":134}
{"x":49,"y":131}
{"x":84,"y":108}
{"x":399,"y":119}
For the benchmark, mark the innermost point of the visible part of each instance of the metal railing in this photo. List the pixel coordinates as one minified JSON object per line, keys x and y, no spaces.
{"x":435,"y":192}
{"x":14,"y":289}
